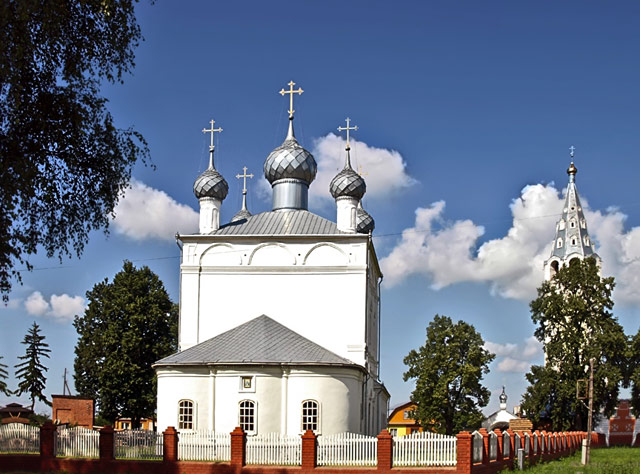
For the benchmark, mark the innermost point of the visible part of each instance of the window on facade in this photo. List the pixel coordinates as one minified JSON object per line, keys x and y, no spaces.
{"x":573,"y":241}
{"x":185,"y":415}
{"x":572,"y":224}
{"x":559,"y":243}
{"x":393,"y":431}
{"x":247,"y":416}
{"x":406,"y":415}
{"x":310,"y":415}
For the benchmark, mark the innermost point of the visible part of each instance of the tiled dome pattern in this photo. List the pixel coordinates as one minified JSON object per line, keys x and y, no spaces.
{"x":211,"y":184}
{"x":291,"y":161}
{"x":364,"y":222}
{"x":348,"y":183}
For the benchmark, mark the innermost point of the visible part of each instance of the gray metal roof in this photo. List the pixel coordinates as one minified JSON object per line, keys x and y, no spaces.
{"x":290,"y":222}
{"x":259,"y":341}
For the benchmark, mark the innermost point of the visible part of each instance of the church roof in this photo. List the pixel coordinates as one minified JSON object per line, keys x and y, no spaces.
{"x":291,"y":222}
{"x":259,"y":341}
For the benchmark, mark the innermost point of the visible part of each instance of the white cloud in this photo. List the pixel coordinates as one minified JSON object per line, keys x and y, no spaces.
{"x":384,"y":171}
{"x":515,"y":357}
{"x":445,"y":252}
{"x":509,"y":364}
{"x":148,"y":213}
{"x":61,"y":308}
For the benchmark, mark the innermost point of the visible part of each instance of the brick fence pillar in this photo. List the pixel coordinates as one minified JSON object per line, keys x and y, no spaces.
{"x":309,"y":450}
{"x":500,"y":439}
{"x":106,"y":444}
{"x":170,"y":444}
{"x":464,"y":453}
{"x":238,"y":447}
{"x":385,"y":451}
{"x":47,"y":440}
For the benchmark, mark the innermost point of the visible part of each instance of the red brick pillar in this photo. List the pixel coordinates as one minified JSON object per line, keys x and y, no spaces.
{"x":499,"y":454}
{"x":464,"y":453}
{"x":485,"y":446}
{"x":309,"y":450}
{"x":385,"y":451}
{"x":106,"y":444}
{"x":48,"y":440}
{"x":170,"y":444}
{"x":238,"y":447}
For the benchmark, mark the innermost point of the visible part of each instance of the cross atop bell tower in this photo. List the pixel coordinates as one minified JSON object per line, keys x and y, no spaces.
{"x":211,"y":130}
{"x":291,"y":91}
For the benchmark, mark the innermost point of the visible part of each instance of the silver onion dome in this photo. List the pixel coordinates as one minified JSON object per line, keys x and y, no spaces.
{"x":503,"y":396}
{"x":290,"y":161}
{"x":364,"y":222}
{"x":348,"y":183}
{"x":211,"y":184}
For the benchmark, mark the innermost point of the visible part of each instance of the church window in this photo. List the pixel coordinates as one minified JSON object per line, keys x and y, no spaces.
{"x":586,"y":240}
{"x":554,"y":267}
{"x":572,"y":224}
{"x":185,"y":415}
{"x":559,"y":243}
{"x":310,"y":415}
{"x":247,"y":416}
{"x":573,"y":241}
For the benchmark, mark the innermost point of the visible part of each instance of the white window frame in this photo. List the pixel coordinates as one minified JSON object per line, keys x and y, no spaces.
{"x":193,"y":414}
{"x":255,"y":416}
{"x":241,"y":387}
{"x":317,"y":415}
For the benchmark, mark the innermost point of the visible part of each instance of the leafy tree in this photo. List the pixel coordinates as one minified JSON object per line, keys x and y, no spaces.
{"x":128,"y":325}
{"x":64,"y":162}
{"x":448,"y":370}
{"x":30,"y":373}
{"x":3,"y":376}
{"x":634,"y":372}
{"x":575,"y":323}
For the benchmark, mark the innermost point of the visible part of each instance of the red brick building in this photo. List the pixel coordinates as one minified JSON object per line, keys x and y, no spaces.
{"x":72,"y":410}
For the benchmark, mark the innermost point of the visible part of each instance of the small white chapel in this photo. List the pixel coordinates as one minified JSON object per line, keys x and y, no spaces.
{"x":280,"y":311}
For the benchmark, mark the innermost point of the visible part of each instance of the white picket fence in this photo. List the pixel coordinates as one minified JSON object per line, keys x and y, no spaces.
{"x":204,"y":446}
{"x":274,"y":448}
{"x":77,"y":442}
{"x":347,"y":449}
{"x":138,"y":444}
{"x":17,"y":438}
{"x":424,"y":449}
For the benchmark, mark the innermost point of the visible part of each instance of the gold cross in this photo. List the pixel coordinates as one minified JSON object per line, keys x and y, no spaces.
{"x":347,"y":128}
{"x":212,"y":131}
{"x":244,"y":175}
{"x":291,"y":92}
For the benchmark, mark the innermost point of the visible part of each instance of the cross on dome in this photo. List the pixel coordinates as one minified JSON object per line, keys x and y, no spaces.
{"x":244,"y":177}
{"x":348,"y":128}
{"x":211,"y":130}
{"x":291,"y":91}
{"x":571,"y":150}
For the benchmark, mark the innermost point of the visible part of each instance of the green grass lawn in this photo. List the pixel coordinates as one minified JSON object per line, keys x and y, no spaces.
{"x":619,"y":460}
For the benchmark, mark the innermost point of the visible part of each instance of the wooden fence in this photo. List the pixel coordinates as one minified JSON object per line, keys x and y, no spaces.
{"x":347,"y":449}
{"x":204,"y":446}
{"x":138,"y":444}
{"x":17,"y":438}
{"x":77,"y":442}
{"x":424,"y":449}
{"x":274,"y":448}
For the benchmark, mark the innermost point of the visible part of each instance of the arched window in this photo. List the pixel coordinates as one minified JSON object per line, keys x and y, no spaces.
{"x":573,"y":241}
{"x":310,"y":415}
{"x":559,"y":243}
{"x":247,"y":416}
{"x":572,"y":224}
{"x":554,"y":267}
{"x":185,"y":415}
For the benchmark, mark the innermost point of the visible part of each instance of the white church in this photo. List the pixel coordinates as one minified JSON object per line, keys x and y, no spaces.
{"x":279,"y":311}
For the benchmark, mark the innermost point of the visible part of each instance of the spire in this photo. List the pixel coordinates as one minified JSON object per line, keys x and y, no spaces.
{"x":347,"y":164}
{"x":572,"y":237}
{"x":244,"y":212}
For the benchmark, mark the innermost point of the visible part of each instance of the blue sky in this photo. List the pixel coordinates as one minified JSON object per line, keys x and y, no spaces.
{"x":466,"y":111}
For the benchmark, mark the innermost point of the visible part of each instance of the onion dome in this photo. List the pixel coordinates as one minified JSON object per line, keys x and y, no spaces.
{"x":290,"y":161}
{"x":211,"y":184}
{"x":503,"y":396}
{"x":572,"y":169}
{"x":364,"y":222}
{"x":348,"y":183}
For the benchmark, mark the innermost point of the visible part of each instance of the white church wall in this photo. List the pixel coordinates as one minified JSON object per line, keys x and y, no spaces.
{"x":337,"y":390}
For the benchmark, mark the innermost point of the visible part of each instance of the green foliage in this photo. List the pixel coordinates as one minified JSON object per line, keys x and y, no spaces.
{"x":38,"y":419}
{"x":575,"y":323}
{"x":128,"y":325}
{"x":3,"y":376}
{"x":634,"y":372}
{"x":448,"y":370}
{"x":30,"y":373}
{"x":64,"y":163}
